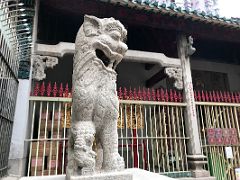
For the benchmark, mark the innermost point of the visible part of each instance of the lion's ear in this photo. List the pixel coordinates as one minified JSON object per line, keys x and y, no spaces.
{"x":91,"y":25}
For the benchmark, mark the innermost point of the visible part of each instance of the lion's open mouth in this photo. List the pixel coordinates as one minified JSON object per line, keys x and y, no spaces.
{"x":109,"y":58}
{"x":101,"y":55}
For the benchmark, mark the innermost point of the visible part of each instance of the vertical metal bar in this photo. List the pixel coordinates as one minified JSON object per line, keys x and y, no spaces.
{"x":126,"y":133}
{"x":151,"y":135}
{"x":231,"y":120}
{"x":39,"y":125}
{"x":64,"y":136}
{"x":176,"y":145}
{"x":165,"y":140}
{"x":142,"y":141}
{"x":132,"y":137}
{"x":203,"y":129}
{"x":146,"y":132}
{"x":170,"y":135}
{"x":51,"y":142}
{"x":160,"y":125}
{"x":121,"y":129}
{"x":237,"y":120}
{"x":45,"y":137}
{"x":58,"y":136}
{"x":136,"y":136}
{"x":156,"y":138}
{"x":180,"y":140}
{"x":183,"y":131}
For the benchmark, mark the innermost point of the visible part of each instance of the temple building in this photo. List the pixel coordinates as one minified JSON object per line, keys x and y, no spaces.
{"x":178,"y":86}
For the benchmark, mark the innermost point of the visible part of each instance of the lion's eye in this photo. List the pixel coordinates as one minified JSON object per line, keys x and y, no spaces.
{"x":115,"y":35}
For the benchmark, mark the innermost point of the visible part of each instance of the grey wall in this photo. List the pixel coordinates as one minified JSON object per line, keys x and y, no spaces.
{"x":232,"y":71}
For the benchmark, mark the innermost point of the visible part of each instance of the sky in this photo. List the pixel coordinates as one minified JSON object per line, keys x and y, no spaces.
{"x":229,"y":8}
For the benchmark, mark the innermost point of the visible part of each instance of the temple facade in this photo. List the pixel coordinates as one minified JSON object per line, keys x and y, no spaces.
{"x":178,"y":87}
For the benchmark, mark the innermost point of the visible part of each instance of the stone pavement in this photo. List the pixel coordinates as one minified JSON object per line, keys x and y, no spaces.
{"x":10,"y":178}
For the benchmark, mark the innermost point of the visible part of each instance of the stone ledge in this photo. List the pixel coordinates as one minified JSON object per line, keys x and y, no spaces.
{"x":105,"y":176}
{"x":137,"y":174}
{"x":202,"y":178}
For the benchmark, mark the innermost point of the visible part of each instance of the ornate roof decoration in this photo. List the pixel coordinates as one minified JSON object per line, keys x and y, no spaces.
{"x":170,"y":8}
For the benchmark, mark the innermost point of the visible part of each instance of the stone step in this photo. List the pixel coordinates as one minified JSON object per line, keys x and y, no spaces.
{"x":202,"y":178}
{"x":10,"y":178}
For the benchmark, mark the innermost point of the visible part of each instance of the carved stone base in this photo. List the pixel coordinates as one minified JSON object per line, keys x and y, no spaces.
{"x":105,"y":176}
{"x":127,"y":174}
{"x":202,"y":178}
{"x":196,"y":163}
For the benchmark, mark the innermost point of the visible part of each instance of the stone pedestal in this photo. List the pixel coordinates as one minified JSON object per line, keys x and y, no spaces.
{"x":105,"y":176}
{"x":127,"y":174}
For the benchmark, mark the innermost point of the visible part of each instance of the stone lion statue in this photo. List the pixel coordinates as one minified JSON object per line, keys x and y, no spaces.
{"x":99,"y":47}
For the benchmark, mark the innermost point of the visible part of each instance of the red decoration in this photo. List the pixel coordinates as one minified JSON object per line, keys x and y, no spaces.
{"x":158,"y":95}
{"x":171,"y":96}
{"x":207,"y":97}
{"x":166,"y":96}
{"x":55,"y":90}
{"x":180,"y":97}
{"x":221,"y":96}
{"x":36,"y":89}
{"x":225,"y":96}
{"x":232,"y":97}
{"x":228,"y":97}
{"x":219,"y":140}
{"x":144,"y":94}
{"x":130,"y":97}
{"x":210,"y":96}
{"x":153,"y":95}
{"x":211,"y":140}
{"x":234,"y":141}
{"x":135,"y":96}
{"x":199,"y":96}
{"x":226,"y":140}
{"x":125,"y":95}
{"x":175,"y":96}
{"x":218,"y":97}
{"x":66,"y":91}
{"x":214,"y":97}
{"x":162,"y":95}
{"x":203,"y":96}
{"x":61,"y":90}
{"x":139,"y":94}
{"x":148,"y":94}
{"x":49,"y":89}
{"x":210,"y":132}
{"x":42,"y":89}
{"x":120,"y":95}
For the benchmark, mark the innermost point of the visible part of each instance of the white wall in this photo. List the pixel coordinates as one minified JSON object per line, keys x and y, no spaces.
{"x":18,"y":150}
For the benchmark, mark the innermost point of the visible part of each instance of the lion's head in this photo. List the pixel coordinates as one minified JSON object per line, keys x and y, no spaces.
{"x":105,"y":37}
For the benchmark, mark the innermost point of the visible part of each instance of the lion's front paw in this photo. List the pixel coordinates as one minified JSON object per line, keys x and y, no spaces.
{"x":115,"y":164}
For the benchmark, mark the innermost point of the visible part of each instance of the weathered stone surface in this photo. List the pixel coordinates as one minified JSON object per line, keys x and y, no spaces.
{"x":105,"y":176}
{"x":176,"y":74}
{"x":40,"y":64}
{"x":99,"y":47}
{"x":127,"y":174}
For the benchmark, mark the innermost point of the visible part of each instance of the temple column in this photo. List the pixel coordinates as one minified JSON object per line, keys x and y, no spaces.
{"x":196,"y":159}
